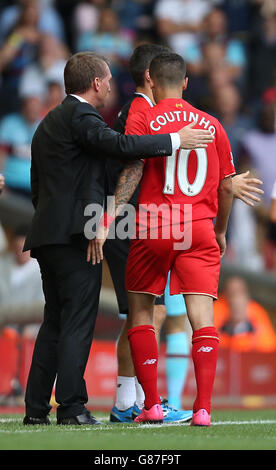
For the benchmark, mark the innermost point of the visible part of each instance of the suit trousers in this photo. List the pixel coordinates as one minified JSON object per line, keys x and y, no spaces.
{"x":71,"y":288}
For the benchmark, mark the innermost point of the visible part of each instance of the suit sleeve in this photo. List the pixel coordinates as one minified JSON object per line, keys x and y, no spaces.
{"x":34,"y":183}
{"x":226,"y":163}
{"x":95,"y":135}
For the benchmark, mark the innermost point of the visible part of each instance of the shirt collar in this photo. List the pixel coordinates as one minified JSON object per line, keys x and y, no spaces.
{"x":82,"y":100}
{"x":145,"y":97}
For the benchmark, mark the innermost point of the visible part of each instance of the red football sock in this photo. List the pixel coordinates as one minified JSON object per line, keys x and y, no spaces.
{"x":144,"y":351}
{"x":204,"y":353}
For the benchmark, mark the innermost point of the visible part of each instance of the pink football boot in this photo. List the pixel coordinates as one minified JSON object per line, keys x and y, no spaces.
{"x":201,"y":418}
{"x":153,"y":415}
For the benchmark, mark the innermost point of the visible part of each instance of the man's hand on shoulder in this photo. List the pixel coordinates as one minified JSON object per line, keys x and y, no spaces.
{"x":194,"y":138}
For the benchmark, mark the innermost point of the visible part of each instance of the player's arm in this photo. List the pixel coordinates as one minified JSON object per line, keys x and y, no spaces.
{"x":126,"y":185}
{"x":132,"y":173}
{"x":245,"y":188}
{"x":225,"y":190}
{"x":225,"y":199}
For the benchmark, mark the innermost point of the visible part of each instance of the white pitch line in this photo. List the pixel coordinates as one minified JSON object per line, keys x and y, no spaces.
{"x":112,"y":427}
{"x":214,"y":423}
{"x":256,"y":421}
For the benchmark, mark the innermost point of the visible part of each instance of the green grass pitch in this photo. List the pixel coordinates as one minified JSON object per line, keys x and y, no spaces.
{"x":230,"y":430}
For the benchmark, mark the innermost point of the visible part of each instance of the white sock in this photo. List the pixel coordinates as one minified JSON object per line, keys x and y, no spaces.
{"x":140,"y":396}
{"x":126,"y":392}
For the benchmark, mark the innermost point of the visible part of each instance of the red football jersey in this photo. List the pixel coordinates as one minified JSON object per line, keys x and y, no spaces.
{"x":187,"y":176}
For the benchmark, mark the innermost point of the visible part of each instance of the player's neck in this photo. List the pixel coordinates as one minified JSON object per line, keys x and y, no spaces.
{"x":146,"y":90}
{"x":167,"y":93}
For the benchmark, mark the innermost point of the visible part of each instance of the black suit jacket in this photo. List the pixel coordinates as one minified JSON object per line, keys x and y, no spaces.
{"x":69,"y":151}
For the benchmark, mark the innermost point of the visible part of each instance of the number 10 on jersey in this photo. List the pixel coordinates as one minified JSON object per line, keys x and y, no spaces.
{"x":181,"y":172}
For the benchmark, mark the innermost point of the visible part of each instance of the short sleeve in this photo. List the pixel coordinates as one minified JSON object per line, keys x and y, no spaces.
{"x":224,"y":153}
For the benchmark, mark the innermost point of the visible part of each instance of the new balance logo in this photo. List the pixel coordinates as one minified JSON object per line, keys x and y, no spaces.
{"x":205,"y":349}
{"x":149,"y":361}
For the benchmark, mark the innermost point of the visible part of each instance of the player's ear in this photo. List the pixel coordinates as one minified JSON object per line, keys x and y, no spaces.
{"x":147,"y":75}
{"x":185,"y":83}
{"x":151,"y":82}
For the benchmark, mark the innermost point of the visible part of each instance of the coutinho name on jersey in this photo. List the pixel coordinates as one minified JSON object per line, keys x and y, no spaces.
{"x":179,"y":116}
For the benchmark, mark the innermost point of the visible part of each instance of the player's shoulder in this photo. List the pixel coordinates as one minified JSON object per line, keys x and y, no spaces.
{"x":136,"y":104}
{"x":139,"y":109}
{"x":140,"y":103}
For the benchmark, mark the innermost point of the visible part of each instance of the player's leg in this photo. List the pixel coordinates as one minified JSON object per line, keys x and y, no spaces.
{"x":146,"y":275}
{"x":159,"y":315}
{"x":205,"y":342}
{"x":171,"y":414}
{"x":126,"y":384}
{"x":130,"y":396}
{"x":144,"y":351}
{"x":195,"y":273}
{"x":116,"y":253}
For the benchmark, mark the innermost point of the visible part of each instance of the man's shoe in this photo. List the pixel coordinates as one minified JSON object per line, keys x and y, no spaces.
{"x":84,"y":419}
{"x":172,"y":415}
{"x":153,"y":415}
{"x":34,"y":421}
{"x":201,"y":418}
{"x":122,"y":416}
{"x":135,"y":411}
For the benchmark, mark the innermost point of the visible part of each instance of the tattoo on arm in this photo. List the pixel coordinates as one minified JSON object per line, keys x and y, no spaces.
{"x":128,"y":182}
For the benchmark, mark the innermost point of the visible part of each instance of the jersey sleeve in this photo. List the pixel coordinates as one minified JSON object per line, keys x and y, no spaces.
{"x":225,"y":155}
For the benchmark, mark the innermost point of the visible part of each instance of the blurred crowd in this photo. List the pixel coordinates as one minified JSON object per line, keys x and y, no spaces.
{"x":230,"y":50}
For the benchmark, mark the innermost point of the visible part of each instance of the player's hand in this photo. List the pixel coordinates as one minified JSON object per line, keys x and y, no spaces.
{"x":95,"y":246}
{"x":243,"y":187}
{"x":221,"y":239}
{"x":2,"y":182}
{"x":194,"y":138}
